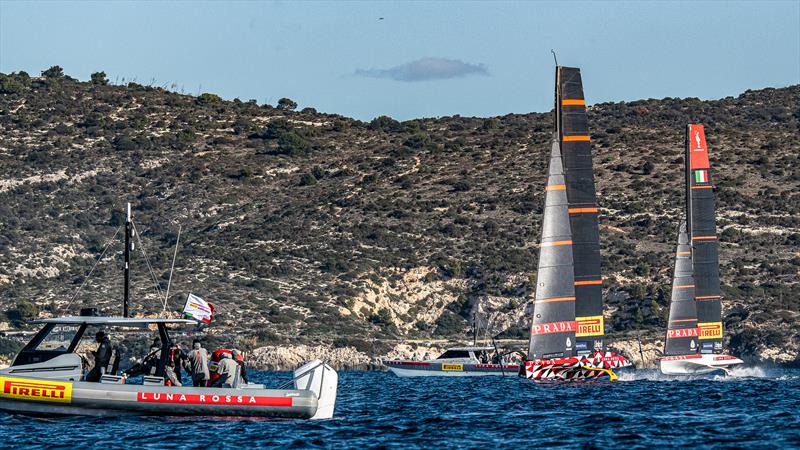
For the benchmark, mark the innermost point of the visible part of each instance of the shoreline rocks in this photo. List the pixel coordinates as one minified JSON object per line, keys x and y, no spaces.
{"x":277,"y":357}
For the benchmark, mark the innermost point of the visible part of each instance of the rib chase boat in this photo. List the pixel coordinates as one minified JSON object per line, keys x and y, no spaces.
{"x":567,"y":340}
{"x":456,"y":362}
{"x":694,"y":332}
{"x":48,"y":377}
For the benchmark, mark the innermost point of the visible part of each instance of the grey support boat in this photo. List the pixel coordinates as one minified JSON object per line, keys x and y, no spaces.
{"x":47,"y":378}
{"x":49,"y":375}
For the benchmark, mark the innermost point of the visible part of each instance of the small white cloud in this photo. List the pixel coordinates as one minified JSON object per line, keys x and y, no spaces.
{"x":427,"y":69}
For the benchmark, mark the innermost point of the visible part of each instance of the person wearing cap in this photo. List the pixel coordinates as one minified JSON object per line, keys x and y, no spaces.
{"x":101,"y":357}
{"x":237,"y":356}
{"x":226,"y":370}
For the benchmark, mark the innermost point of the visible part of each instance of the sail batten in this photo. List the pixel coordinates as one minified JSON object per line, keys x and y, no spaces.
{"x":702,"y":230}
{"x":573,"y":129}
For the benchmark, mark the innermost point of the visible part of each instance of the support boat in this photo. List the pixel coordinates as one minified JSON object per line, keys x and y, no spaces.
{"x":48,"y":377}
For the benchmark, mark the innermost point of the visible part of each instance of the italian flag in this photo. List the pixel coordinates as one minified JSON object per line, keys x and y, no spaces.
{"x":701,"y":176}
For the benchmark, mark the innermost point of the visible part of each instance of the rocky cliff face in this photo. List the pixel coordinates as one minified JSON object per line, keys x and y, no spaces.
{"x":308,"y":229}
{"x":342,"y":358}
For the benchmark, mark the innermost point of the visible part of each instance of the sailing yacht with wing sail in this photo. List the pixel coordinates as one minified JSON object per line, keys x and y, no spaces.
{"x":694,"y":331}
{"x":567,"y":339}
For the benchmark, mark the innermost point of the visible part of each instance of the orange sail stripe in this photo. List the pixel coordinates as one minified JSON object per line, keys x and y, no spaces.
{"x":573,"y":102}
{"x":702,"y":187}
{"x":683,"y":253}
{"x":703,"y":238}
{"x":684,"y":286}
{"x":575,"y":138}
{"x":584,"y":283}
{"x":556,"y":299}
{"x":707,"y":297}
{"x":683,"y":320}
{"x":582,"y":210}
{"x":556,"y":187}
{"x":555,"y":243}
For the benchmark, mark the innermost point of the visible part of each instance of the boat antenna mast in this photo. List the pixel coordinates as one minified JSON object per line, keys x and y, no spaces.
{"x":127,"y":269}
{"x":555,"y":58}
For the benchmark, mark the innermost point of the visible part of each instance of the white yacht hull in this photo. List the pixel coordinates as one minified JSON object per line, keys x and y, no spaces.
{"x":697,"y":364}
{"x":439,"y":369}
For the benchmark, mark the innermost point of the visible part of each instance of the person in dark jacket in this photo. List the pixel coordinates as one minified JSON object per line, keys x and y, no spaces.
{"x":178,"y":357}
{"x":240,"y":360}
{"x":101,"y":357}
{"x":148,"y":365}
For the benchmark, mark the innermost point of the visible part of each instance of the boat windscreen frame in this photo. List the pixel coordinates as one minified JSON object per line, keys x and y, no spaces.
{"x":29,"y":350}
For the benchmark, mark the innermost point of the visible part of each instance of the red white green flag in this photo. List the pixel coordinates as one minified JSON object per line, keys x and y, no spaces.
{"x":701,"y":176}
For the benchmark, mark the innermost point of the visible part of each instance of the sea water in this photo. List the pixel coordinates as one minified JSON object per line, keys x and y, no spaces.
{"x":754,"y":408}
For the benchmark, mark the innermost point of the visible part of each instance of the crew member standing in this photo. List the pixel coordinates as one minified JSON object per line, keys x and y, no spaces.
{"x":198,"y":364}
{"x":178,"y":357}
{"x":226,"y":370}
{"x":101,"y":357}
{"x":237,"y":356}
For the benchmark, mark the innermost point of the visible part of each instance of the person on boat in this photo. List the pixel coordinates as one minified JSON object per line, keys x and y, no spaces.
{"x":170,"y":373}
{"x":226,"y":369}
{"x":178,"y":357}
{"x":237,"y":356}
{"x":149,"y":364}
{"x":102,"y":356}
{"x":197,"y":362}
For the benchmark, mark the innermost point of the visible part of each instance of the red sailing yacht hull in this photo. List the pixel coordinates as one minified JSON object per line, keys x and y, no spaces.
{"x":576,"y":368}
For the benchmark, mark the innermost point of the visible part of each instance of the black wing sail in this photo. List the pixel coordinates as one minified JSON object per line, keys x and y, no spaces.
{"x":572,"y":124}
{"x":703,"y":233}
{"x":682,"y":336}
{"x":553,"y":324}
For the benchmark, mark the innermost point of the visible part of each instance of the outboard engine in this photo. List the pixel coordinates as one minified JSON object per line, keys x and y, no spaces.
{"x":322,"y":380}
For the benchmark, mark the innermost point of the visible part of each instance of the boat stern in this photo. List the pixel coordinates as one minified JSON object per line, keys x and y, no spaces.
{"x":323,"y":381}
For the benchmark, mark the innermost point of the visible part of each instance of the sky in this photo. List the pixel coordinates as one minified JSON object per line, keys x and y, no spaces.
{"x":412,"y":59}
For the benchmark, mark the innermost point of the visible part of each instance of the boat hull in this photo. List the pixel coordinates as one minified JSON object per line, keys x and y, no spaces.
{"x":577,"y":368}
{"x":444,"y":369}
{"x":697,"y":364}
{"x":39,"y":396}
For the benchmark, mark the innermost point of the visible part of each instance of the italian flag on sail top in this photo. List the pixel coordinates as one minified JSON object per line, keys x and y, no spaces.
{"x":199,"y":309}
{"x":701,"y":176}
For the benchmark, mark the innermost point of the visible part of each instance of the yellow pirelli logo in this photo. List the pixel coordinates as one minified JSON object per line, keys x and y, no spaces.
{"x":453,"y":367}
{"x":590,"y":326}
{"x":710,"y":330}
{"x":42,"y":391}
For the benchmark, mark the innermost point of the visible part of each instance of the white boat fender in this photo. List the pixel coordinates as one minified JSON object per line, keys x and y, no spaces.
{"x":323,"y":381}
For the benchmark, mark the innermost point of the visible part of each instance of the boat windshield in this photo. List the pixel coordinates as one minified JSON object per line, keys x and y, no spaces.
{"x":455,"y":354}
{"x":59,"y":339}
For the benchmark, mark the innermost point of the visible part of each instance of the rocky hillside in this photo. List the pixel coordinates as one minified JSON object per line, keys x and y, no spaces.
{"x":310,"y":228}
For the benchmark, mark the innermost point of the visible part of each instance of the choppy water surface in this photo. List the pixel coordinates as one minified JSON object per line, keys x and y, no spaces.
{"x":755,"y":409}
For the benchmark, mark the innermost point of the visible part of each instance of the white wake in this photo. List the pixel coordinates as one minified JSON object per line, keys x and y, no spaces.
{"x":738,"y":373}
